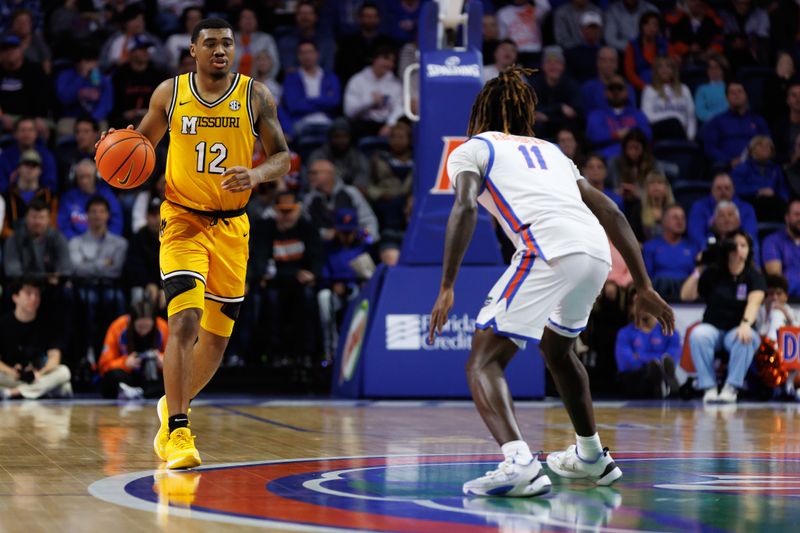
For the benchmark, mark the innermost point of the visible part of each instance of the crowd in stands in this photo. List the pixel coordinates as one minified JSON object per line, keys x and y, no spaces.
{"x":686,"y":114}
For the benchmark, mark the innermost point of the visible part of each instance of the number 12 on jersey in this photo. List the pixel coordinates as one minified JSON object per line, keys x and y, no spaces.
{"x":213,"y":167}
{"x":538,"y":153}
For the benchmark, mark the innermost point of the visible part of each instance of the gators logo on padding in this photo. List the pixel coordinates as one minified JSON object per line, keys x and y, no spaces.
{"x":442,"y":185}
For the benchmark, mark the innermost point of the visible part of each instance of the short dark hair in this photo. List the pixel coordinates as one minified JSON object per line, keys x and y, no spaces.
{"x":27,"y":280}
{"x":383,"y":51}
{"x":22,"y":119}
{"x":301,"y":42}
{"x":731,"y":84}
{"x":776,"y":281}
{"x":302,"y":3}
{"x":674,"y":206}
{"x":213,"y":23}
{"x":38,"y":204}
{"x":88,"y":120}
{"x":369,"y":5}
{"x":98,"y":200}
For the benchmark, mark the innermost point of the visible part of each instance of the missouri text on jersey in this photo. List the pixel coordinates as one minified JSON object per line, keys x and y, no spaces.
{"x":189,"y":125}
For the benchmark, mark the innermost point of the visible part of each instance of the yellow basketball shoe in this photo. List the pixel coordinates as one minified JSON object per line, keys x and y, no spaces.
{"x":180,"y":451}
{"x":162,"y":437}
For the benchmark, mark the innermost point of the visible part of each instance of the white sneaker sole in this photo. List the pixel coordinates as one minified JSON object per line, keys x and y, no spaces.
{"x":609,"y":475}
{"x":539,"y":485}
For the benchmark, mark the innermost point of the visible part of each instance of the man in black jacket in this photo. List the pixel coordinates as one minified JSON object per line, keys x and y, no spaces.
{"x":286,"y":262}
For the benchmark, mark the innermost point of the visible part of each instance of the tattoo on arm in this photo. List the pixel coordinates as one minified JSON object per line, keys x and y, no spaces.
{"x":272,"y":138}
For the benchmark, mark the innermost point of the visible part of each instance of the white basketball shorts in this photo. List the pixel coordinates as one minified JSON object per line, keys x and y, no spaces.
{"x":532,"y":294}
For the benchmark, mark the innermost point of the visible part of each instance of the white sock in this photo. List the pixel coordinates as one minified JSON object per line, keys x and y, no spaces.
{"x":517,"y":451}
{"x":589,"y":448}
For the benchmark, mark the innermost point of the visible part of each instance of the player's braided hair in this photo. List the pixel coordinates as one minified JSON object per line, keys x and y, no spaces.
{"x":506,"y":103}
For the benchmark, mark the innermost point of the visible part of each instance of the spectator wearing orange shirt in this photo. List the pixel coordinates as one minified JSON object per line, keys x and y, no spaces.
{"x":131,"y":363}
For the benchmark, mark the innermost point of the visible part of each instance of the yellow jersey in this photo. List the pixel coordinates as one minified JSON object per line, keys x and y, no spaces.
{"x":205,"y":139}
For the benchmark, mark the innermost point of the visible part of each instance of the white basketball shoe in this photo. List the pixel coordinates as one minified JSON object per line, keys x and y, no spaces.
{"x":603,"y":470}
{"x":511,"y":479}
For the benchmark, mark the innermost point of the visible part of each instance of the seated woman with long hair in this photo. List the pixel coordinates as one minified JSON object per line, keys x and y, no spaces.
{"x":668,"y":103}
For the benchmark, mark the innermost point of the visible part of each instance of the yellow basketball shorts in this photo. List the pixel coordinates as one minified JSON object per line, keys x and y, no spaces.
{"x":203,"y":265}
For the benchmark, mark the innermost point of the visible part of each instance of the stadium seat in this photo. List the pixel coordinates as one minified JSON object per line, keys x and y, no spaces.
{"x":671,"y":170}
{"x":694,"y":77}
{"x":687,"y":192}
{"x":767,"y":228}
{"x":685,"y":154}
{"x":370,"y":144}
{"x":753,"y":79}
{"x":307,"y":144}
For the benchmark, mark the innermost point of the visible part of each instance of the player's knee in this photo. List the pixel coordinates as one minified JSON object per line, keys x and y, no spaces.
{"x":185,"y":325}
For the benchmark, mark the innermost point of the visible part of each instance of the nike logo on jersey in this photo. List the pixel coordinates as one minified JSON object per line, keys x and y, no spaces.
{"x":184,"y":103}
{"x":244,"y":235}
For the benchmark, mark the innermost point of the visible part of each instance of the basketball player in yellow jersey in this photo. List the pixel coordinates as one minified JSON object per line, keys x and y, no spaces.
{"x":214,"y":118}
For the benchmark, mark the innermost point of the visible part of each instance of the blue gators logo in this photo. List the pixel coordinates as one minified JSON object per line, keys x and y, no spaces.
{"x":423,"y":493}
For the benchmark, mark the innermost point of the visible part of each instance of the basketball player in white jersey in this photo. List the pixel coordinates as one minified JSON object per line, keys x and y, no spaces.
{"x":557,"y":221}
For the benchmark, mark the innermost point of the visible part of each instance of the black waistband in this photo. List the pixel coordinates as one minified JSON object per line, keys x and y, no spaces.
{"x":233,"y":213}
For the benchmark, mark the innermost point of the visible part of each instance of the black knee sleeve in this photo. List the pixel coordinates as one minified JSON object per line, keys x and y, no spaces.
{"x":176,"y":285}
{"x":231,"y":310}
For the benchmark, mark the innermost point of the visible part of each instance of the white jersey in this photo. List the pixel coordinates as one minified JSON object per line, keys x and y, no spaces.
{"x":531,"y":188}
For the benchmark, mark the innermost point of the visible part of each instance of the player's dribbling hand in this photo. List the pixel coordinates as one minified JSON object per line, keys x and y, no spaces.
{"x":441,"y":310}
{"x":648,"y":301}
{"x":241,"y":179}
{"x":110,"y":130}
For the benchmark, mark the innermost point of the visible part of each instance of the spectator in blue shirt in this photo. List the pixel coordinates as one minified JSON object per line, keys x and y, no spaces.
{"x":670,"y":258}
{"x":72,"y":214}
{"x":340,"y":281}
{"x":646,"y":358}
{"x":726,"y":136}
{"x":709,"y":98}
{"x":83,"y":89}
{"x":311,"y":94}
{"x":759,"y":180}
{"x":782,"y":250}
{"x":26,"y":138}
{"x":593,"y":91}
{"x":401,"y":18}
{"x":606,"y":127}
{"x":701,"y":216}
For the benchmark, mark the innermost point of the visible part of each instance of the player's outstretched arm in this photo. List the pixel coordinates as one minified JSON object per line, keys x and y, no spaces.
{"x":269,"y":130}
{"x":460,"y":227}
{"x":621,"y":234}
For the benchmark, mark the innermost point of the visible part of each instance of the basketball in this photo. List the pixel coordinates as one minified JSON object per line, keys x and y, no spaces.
{"x":125,"y":159}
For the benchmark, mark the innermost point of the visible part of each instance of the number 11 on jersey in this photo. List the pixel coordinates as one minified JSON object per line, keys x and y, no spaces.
{"x":538,"y":153}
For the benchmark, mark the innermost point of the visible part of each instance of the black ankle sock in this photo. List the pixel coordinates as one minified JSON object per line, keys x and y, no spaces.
{"x":178,"y":421}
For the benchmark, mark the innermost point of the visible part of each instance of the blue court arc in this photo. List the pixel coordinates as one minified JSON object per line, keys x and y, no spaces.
{"x":660,"y":491}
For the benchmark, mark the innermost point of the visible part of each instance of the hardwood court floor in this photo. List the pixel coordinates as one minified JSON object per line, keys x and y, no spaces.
{"x":390,"y":466}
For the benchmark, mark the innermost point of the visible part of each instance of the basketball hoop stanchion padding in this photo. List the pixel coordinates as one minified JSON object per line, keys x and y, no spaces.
{"x":382,"y":350}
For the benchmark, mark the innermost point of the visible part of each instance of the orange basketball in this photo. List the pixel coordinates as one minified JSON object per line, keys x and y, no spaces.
{"x":125,"y":159}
